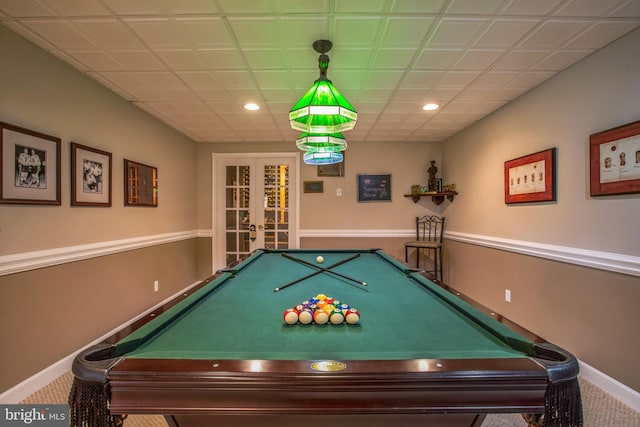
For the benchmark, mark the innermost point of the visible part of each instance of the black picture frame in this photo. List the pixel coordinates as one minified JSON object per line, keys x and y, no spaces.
{"x":374,"y":188}
{"x":314,"y":186}
{"x":29,"y":166}
{"x":140,"y":184}
{"x":91,"y":173}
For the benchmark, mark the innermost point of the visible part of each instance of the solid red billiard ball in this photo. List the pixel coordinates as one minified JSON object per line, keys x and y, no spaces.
{"x":352,"y":317}
{"x":320,"y":317}
{"x":291,"y":316}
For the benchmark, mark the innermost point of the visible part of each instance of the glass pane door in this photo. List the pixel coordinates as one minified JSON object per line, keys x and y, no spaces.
{"x":237,"y":212}
{"x":254,"y":205}
{"x":276,"y":206}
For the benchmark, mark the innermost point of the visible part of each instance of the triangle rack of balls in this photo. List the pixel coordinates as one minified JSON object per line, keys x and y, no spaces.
{"x":321,"y":310}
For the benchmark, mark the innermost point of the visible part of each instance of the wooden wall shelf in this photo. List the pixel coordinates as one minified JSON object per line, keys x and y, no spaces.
{"x":437,"y":198}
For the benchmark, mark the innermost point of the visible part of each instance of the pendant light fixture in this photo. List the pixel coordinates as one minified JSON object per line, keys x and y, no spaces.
{"x":323,"y":110}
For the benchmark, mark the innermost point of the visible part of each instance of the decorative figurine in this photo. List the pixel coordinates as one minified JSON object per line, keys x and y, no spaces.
{"x":432,"y":176}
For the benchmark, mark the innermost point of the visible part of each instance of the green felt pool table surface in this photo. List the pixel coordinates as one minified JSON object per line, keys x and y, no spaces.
{"x":403,"y":315}
{"x":222,"y":354}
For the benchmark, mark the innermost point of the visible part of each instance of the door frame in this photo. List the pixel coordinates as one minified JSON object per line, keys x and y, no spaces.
{"x":294,"y":188}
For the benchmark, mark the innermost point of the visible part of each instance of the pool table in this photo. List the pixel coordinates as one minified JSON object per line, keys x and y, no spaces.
{"x":418,"y":355}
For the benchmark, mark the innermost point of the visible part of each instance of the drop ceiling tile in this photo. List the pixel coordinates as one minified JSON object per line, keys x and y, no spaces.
{"x":360,"y":7}
{"x":256,"y":32}
{"x":437,"y":59}
{"x":584,"y":8}
{"x":138,"y":60}
{"x":204,"y":32}
{"x":405,"y":32}
{"x":629,"y":8}
{"x":235,"y":79}
{"x":494,"y":79}
{"x":350,"y":58}
{"x":18,"y":8}
{"x":303,"y":6}
{"x":418,"y":6}
{"x":422,"y":79}
{"x":109,"y":33}
{"x":301,"y":31}
{"x":61,"y":34}
{"x":478,"y":59}
{"x":502,"y":33}
{"x":528,"y":7}
{"x":393,"y":58}
{"x":221,"y":59}
{"x":97,"y":60}
{"x":265,"y":59}
{"x":76,"y":7}
{"x":457,"y":79}
{"x":485,"y":7}
{"x":601,"y":34}
{"x":183,"y":59}
{"x":272,"y":79}
{"x":161,"y":80}
{"x":357,"y":32}
{"x":553,"y":34}
{"x":456,"y":33}
{"x":560,"y":60}
{"x":246,"y":6}
{"x":519,"y":59}
{"x":160,"y":7}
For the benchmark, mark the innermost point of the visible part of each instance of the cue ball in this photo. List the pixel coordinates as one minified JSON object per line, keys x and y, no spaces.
{"x":319,"y":259}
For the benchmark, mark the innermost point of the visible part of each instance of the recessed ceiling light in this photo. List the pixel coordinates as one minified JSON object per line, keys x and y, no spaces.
{"x":430,"y":107}
{"x":251,"y":106}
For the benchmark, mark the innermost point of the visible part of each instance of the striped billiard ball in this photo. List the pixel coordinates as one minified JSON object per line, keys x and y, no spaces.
{"x":320,"y":317}
{"x":305,"y":316}
{"x":352,"y":317}
{"x":337,"y":317}
{"x":291,"y":316}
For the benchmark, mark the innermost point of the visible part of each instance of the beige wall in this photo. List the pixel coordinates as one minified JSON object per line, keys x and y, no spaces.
{"x":590,"y":312}
{"x":43,"y":94}
{"x":49,"y":313}
{"x":406,"y":162}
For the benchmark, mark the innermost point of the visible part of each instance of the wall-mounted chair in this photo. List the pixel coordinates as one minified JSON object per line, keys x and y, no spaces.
{"x":429,"y":234}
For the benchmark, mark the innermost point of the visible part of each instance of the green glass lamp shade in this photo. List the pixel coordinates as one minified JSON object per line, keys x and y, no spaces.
{"x":317,"y":158}
{"x":334,"y":142}
{"x":323,"y":109}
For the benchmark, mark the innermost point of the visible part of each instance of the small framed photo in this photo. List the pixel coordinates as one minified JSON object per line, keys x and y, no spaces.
{"x":531,"y":178}
{"x":314,"y":186}
{"x":615,"y":160}
{"x":90,"y":176}
{"x":374,"y":188}
{"x":334,"y":169}
{"x":140,"y":184}
{"x":29,"y":166}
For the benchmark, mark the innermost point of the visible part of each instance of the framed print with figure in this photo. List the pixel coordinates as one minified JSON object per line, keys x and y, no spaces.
{"x":615,"y":160}
{"x":531,"y":178}
{"x":90,"y":176}
{"x":29,"y":166}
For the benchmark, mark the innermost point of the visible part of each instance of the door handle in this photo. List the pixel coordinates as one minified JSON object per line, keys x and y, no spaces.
{"x":261,"y":227}
{"x":252,"y":232}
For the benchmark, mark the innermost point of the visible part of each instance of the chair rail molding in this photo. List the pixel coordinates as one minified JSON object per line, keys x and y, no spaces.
{"x":619,"y":263}
{"x":16,"y":263}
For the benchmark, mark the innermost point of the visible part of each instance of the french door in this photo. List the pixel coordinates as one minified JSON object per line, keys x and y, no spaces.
{"x":254,"y":204}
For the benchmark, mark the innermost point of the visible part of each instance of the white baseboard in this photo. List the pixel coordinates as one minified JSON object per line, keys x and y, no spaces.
{"x":29,"y":386}
{"x":619,"y":391}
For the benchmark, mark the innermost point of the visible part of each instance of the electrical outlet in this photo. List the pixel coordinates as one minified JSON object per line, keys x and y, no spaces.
{"x":339,"y":192}
{"x":156,"y":286}
{"x":507,"y":295}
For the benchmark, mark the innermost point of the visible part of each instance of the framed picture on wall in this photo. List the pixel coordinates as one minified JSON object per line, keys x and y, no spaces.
{"x":615,"y":160}
{"x":30,"y":166}
{"x":90,"y":176}
{"x":531,"y":178}
{"x":374,"y":188}
{"x":314,"y":186}
{"x":140,"y":184}
{"x":334,"y":169}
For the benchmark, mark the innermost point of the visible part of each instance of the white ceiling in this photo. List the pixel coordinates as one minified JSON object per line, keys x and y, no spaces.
{"x":194,"y":63}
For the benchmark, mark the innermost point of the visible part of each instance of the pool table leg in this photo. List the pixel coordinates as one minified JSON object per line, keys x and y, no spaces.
{"x":534,"y":420}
